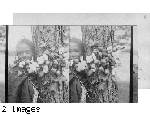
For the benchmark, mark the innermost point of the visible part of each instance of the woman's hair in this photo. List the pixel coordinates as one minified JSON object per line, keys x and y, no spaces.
{"x":80,"y":44}
{"x":27,"y":42}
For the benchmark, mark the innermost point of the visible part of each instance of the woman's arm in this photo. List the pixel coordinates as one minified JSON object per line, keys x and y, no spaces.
{"x":26,"y":91}
{"x":13,"y":86}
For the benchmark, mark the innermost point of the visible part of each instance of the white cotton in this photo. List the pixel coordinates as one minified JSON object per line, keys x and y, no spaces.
{"x":33,"y":67}
{"x":45,"y":68}
{"x":40,"y":60}
{"x":45,"y":57}
{"x":93,"y":56}
{"x":93,"y":66}
{"x":89,"y":59}
{"x":83,"y":63}
{"x":79,"y":68}
{"x":21,"y":64}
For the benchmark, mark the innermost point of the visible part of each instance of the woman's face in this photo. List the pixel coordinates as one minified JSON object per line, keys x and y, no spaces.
{"x":74,"y":51}
{"x":24,"y":52}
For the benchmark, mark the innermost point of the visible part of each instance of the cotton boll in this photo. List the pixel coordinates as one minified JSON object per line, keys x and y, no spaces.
{"x":40,"y":60}
{"x":33,"y":67}
{"x":21,"y":64}
{"x":45,"y":68}
{"x":93,"y":66}
{"x":93,"y":56}
{"x":83,"y":64}
{"x":79,"y":68}
{"x":45,"y":57}
{"x":89,"y":59}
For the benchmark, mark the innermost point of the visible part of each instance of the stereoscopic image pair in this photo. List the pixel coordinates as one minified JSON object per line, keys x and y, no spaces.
{"x":68,"y":64}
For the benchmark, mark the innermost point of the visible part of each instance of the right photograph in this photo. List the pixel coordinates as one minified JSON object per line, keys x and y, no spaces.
{"x":102,"y":64}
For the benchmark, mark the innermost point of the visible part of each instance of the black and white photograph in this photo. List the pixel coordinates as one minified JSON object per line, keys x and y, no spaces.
{"x":69,"y":64}
{"x":38,"y":70}
{"x":100,"y":64}
{"x":2,"y":62}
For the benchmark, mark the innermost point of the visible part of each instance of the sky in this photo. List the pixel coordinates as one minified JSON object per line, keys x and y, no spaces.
{"x":16,"y":33}
{"x":75,"y":31}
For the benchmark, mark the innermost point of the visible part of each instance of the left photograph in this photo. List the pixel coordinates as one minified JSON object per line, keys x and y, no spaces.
{"x":2,"y":62}
{"x":38,"y":61}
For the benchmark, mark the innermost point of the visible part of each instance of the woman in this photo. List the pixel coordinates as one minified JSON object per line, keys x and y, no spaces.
{"x":76,"y":50}
{"x":19,"y":87}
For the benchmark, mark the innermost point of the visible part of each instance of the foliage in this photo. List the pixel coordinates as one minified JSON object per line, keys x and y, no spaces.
{"x":53,"y":41}
{"x":100,"y":83}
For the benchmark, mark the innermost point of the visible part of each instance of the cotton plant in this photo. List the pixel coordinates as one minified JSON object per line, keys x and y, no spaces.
{"x":32,"y":66}
{"x":42,"y":59}
{"x":93,"y":65}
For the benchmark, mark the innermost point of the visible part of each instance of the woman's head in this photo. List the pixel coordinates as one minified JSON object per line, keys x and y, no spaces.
{"x":76,"y":48}
{"x":25,"y":49}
